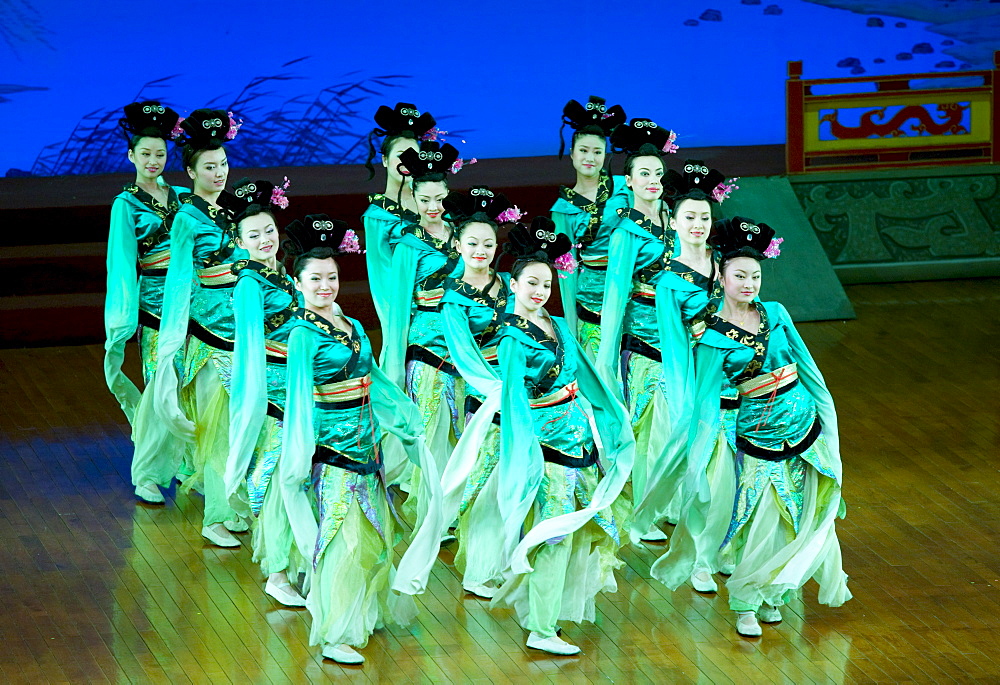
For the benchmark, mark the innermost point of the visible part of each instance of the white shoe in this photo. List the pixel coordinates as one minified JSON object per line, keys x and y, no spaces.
{"x":238,"y":525}
{"x":769,"y":614}
{"x":480,"y":591}
{"x":727,"y":569}
{"x":342,"y":654}
{"x":746,"y":624}
{"x":703,"y":581}
{"x":447,"y":539}
{"x":219,"y":536}
{"x":654,"y":534}
{"x":284,"y":593}
{"x":149,"y":493}
{"x":552,"y":645}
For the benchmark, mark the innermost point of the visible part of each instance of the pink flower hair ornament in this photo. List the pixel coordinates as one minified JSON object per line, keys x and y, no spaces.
{"x":460,"y":163}
{"x":178,"y":131}
{"x":435,"y":134}
{"x":670,"y":146}
{"x":350,"y":244}
{"x":278,"y":198}
{"x":773,"y":250}
{"x":565,"y":264}
{"x":722,"y":191}
{"x":510,"y":215}
{"x":234,"y":127}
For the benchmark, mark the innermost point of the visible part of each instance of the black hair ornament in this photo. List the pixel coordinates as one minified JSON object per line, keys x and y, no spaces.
{"x":247,"y":193}
{"x":643,"y":135}
{"x":729,"y":236}
{"x":431,"y":158}
{"x":319,"y":230}
{"x":480,"y":199}
{"x":540,"y":242}
{"x":699,"y":181}
{"x":150,"y":118}
{"x":205,"y":127}
{"x":595,"y":113}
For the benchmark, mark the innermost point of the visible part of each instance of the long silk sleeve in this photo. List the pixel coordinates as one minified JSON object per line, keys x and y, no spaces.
{"x":299,"y":441}
{"x":378,"y":257}
{"x":617,"y":289}
{"x":121,"y":306}
{"x":173,"y":325}
{"x":568,"y":284}
{"x":399,"y":287}
{"x":619,"y":453}
{"x":248,"y":392}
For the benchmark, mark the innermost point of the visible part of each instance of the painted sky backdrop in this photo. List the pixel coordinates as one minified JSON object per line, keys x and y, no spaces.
{"x":712,"y":70}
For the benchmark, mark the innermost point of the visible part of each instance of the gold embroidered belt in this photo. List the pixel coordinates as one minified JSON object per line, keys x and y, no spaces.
{"x":155,"y":263}
{"x":560,"y":396}
{"x":770,"y":383}
{"x":429,"y":300}
{"x":599,"y":263}
{"x":277,"y":352}
{"x":644,"y":293}
{"x":353,"y":392}
{"x":220,"y":276}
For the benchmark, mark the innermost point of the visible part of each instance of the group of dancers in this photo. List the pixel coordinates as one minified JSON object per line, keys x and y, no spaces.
{"x":540,"y":445}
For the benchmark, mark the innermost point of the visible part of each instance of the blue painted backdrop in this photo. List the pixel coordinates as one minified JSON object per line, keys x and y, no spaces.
{"x":307,"y":76}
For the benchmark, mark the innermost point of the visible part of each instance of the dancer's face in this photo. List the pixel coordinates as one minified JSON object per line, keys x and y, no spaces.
{"x":533,"y":286}
{"x":645,"y":180}
{"x":210,"y":172}
{"x":430,"y":201}
{"x":391,"y":161}
{"x":741,"y":280}
{"x":692,"y":220}
{"x":478,"y":245}
{"x":587,"y":155}
{"x":319,"y":282}
{"x":259,"y":237}
{"x":149,"y":157}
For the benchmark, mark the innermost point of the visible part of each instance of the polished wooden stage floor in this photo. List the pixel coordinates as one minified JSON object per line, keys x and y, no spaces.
{"x":96,"y":588}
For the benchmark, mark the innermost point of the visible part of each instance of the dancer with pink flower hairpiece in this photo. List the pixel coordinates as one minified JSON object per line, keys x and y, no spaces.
{"x":194,"y":351}
{"x":765,"y":475}
{"x":141,"y":217}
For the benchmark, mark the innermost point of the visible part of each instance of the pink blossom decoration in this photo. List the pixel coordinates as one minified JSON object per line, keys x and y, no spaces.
{"x":511,"y":215}
{"x":234,"y":127}
{"x":350,"y":243}
{"x":435,"y":134}
{"x":772,"y":250}
{"x":565,"y":264}
{"x":459,"y":163}
{"x":278,"y":198}
{"x":178,"y":131}
{"x":669,"y":146}
{"x":725,"y":189}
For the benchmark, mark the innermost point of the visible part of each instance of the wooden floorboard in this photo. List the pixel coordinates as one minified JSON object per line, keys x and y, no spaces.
{"x":99,"y":589}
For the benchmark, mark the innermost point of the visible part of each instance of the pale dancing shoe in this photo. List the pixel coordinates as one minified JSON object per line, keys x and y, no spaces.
{"x":237,"y":525}
{"x":746,"y":624}
{"x":219,"y":536}
{"x":727,"y":569}
{"x":654,"y":534}
{"x":447,"y":539}
{"x":284,"y":593}
{"x":480,"y":591}
{"x":342,"y":654}
{"x":769,"y":614}
{"x":703,"y":581}
{"x":552,"y":645}
{"x":149,"y":493}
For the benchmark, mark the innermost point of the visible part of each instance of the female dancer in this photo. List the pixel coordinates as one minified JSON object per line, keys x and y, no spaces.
{"x":779,"y":450}
{"x":203,"y":248}
{"x":140,"y":231}
{"x":400,"y":129}
{"x":583,"y":214}
{"x":338,"y":405}
{"x":264,"y":298}
{"x":549,"y":483}
{"x":414,"y":355}
{"x":640,"y":249}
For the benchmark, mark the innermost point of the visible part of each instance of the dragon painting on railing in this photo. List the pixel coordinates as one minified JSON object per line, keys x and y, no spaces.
{"x":874,"y":123}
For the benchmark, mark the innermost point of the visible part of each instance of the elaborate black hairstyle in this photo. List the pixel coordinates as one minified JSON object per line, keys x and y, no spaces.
{"x":432,"y":158}
{"x":742,"y":237}
{"x":594,"y":118}
{"x":253,"y":197}
{"x":479,"y":200}
{"x":315,"y":230}
{"x":643,"y":136}
{"x":537,"y":243}
{"x":696,"y":181}
{"x":148,"y":118}
{"x":404,"y":120}
{"x":206,"y":128}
